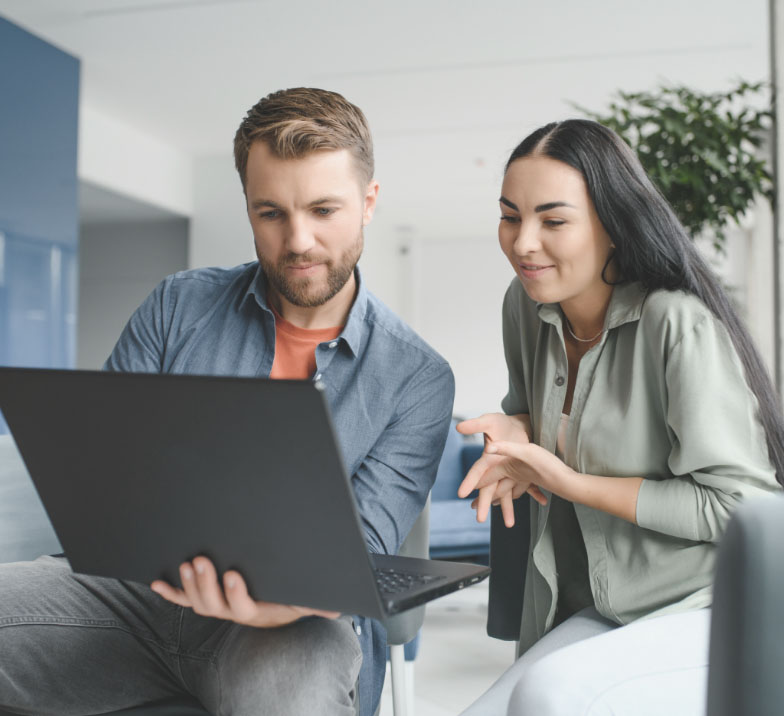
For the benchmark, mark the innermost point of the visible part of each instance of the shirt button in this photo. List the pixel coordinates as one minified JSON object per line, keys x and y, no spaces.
{"x":358,"y":630}
{"x":318,"y":376}
{"x":560,"y":380}
{"x":333,"y":344}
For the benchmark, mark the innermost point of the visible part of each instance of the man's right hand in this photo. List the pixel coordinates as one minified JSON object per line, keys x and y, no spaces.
{"x":497,"y":489}
{"x":202,"y":591}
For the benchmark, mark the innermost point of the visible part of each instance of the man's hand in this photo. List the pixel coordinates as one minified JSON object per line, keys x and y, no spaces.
{"x":202,"y":592}
{"x":493,"y":474}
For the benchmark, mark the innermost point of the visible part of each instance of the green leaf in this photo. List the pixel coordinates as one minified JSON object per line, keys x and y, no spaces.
{"x":700,"y":149}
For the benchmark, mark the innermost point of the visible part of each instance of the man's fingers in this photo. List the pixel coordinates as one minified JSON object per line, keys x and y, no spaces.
{"x":210,"y":592}
{"x":241,"y":605}
{"x":177,"y":596}
{"x":188,"y":579}
{"x":308,"y":612}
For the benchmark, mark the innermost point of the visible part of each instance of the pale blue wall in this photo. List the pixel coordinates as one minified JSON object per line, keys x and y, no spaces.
{"x":39,"y":94}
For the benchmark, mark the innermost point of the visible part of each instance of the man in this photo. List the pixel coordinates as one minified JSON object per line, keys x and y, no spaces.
{"x":71,"y":644}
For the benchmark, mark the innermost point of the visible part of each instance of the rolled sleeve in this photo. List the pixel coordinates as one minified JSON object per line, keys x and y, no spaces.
{"x":719,"y":454}
{"x":141,"y":346}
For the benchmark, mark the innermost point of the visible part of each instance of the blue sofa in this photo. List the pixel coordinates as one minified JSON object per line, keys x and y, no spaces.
{"x":454,"y":531}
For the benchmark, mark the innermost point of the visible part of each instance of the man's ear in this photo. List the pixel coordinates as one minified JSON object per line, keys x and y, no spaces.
{"x":370,"y":198}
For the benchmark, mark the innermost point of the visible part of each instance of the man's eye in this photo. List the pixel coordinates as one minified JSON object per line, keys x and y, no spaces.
{"x":324,"y":211}
{"x":273,"y":214}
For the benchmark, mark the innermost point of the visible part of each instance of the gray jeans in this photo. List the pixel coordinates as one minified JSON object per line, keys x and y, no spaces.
{"x":71,"y":644}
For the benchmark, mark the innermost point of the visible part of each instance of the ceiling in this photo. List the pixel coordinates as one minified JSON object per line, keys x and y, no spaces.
{"x":449,"y":86}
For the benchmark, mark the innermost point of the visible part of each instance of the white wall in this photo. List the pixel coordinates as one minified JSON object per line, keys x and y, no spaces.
{"x":758,"y":281}
{"x":119,"y":264}
{"x":116,"y":156}
{"x":220,"y":233}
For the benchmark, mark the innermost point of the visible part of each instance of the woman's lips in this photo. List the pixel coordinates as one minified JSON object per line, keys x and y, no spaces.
{"x":533,"y":271}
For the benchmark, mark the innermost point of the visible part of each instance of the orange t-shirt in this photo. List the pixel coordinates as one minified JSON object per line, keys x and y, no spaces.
{"x":295,"y":348}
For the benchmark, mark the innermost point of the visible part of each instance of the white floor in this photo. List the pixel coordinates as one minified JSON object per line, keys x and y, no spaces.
{"x":457,"y":661}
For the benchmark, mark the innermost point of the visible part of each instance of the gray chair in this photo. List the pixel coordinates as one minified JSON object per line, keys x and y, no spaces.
{"x":402,"y":628}
{"x":26,"y":533}
{"x":747,"y":627}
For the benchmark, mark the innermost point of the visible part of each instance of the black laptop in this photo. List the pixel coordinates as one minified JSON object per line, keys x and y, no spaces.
{"x":140,"y":472}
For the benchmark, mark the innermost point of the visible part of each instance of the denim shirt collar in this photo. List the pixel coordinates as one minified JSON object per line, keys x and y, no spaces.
{"x":626,"y":303}
{"x":354,"y":329}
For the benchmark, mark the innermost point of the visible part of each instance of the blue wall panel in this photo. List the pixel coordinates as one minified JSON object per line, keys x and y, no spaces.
{"x":39,"y":98}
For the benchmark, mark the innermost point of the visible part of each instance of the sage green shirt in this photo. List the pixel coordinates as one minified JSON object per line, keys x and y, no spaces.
{"x":662,"y":396}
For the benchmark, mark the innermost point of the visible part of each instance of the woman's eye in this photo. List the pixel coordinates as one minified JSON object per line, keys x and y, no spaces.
{"x":509,"y":219}
{"x":553,"y":222}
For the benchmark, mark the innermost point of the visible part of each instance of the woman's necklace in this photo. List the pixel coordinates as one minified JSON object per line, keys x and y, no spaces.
{"x":577,"y":338}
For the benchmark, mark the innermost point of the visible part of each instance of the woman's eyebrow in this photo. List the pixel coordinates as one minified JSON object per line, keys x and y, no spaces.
{"x":552,"y":205}
{"x":510,"y":204}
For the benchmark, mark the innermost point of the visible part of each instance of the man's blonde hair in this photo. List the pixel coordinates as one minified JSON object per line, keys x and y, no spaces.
{"x":295,"y":122}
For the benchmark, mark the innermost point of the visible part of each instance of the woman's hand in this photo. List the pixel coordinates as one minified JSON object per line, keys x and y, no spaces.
{"x":498,"y":426}
{"x":490,"y":472}
{"x":531,"y":463}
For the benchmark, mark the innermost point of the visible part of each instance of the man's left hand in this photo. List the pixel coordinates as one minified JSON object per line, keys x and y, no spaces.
{"x":203,"y":593}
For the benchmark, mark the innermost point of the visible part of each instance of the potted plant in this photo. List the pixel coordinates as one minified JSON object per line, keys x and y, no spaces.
{"x":701,"y":149}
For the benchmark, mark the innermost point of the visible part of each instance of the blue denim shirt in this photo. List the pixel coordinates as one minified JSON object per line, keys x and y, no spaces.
{"x":390,"y":395}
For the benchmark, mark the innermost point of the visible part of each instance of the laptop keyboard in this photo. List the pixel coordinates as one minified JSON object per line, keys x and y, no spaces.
{"x":393,"y":581}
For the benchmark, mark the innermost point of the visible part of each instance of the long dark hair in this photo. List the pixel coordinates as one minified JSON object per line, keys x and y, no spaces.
{"x":651,"y":245}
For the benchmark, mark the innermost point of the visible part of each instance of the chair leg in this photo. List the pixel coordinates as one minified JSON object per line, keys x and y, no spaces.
{"x":410,"y":687}
{"x":397,"y":659}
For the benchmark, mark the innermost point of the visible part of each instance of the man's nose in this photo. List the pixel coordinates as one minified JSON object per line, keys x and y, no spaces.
{"x":299,"y":237}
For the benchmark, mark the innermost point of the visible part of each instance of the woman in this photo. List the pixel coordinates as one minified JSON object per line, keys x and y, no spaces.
{"x":638,"y":416}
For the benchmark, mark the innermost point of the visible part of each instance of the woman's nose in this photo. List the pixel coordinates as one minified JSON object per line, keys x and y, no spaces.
{"x":527,"y":240}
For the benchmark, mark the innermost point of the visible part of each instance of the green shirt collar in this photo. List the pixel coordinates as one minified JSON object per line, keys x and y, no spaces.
{"x":625,"y":306}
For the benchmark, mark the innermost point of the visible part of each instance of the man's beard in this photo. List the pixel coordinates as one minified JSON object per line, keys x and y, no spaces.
{"x":309,"y":292}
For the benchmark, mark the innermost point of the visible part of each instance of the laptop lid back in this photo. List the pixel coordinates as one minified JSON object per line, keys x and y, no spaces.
{"x":139,"y":472}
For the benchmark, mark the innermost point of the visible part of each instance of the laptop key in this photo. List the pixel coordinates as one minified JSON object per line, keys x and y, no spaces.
{"x":392,"y":581}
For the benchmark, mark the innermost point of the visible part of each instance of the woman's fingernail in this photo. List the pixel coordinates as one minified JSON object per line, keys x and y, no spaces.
{"x":230,"y":582}
{"x":199,"y":567}
{"x":187,"y":573}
